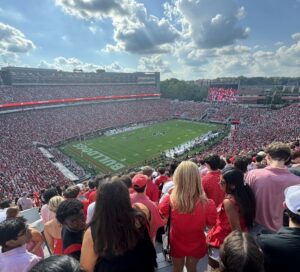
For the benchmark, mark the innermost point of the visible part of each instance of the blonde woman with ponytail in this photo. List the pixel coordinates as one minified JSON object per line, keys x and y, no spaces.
{"x":191,"y":212}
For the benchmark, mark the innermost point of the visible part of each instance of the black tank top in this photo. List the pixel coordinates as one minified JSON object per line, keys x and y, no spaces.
{"x":141,"y":258}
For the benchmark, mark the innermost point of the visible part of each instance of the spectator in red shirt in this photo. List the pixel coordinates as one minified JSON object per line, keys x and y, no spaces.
{"x":139,"y":182}
{"x":152,"y":191}
{"x":211,"y":180}
{"x":162,"y":178}
{"x":92,"y":188}
{"x":191,"y":212}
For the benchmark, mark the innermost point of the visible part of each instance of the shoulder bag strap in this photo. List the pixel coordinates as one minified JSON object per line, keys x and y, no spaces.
{"x":169,"y":225}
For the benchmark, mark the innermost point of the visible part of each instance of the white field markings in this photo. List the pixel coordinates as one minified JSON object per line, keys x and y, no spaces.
{"x":136,"y":154}
{"x":149,"y":149}
{"x":99,"y":156}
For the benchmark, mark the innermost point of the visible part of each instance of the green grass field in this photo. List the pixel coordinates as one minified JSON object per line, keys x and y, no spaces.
{"x":116,"y":152}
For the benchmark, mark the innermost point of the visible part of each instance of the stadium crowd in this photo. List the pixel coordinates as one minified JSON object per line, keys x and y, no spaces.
{"x":238,"y":203}
{"x":10,"y":94}
{"x":21,"y":161}
{"x":244,"y":217}
{"x":214,"y":205}
{"x":258,"y":128}
{"x":222,"y":94}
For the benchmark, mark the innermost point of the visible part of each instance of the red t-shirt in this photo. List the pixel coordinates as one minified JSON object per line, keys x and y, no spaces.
{"x":85,"y":203}
{"x":156,"y":221}
{"x":152,"y":191}
{"x":87,"y":194}
{"x":161,"y":180}
{"x":92,"y":197}
{"x":187,"y":236}
{"x":219,"y":232}
{"x":212,"y":188}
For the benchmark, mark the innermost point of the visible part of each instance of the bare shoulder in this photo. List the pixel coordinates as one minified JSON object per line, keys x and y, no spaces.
{"x":228,"y":204}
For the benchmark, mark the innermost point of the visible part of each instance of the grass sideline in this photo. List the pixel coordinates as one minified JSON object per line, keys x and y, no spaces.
{"x":133,"y":148}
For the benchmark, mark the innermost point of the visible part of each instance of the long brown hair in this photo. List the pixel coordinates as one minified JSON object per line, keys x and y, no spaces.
{"x":188,"y":187}
{"x":117,"y":229}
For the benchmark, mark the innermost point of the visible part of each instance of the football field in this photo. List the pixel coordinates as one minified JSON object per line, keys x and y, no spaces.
{"x":117,"y":152}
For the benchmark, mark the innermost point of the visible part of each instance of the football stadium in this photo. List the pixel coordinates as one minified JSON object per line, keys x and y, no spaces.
{"x":149,"y":136}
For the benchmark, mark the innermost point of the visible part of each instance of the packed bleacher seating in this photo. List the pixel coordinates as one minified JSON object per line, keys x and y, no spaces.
{"x":21,"y":160}
{"x":236,"y":240}
{"x":29,"y":179}
{"x":10,"y":94}
{"x":261,"y":127}
{"x":220,"y":94}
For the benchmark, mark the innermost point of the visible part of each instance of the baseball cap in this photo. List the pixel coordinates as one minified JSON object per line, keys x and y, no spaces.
{"x":139,"y":180}
{"x":292,"y":198}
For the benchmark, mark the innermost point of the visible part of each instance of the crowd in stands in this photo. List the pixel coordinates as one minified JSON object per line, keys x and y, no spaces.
{"x":10,"y":94}
{"x":222,"y":94}
{"x":24,"y":168}
{"x":244,"y":216}
{"x":259,"y":129}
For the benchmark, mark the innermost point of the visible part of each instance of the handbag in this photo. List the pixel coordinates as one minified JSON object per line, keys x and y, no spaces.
{"x":166,"y":248}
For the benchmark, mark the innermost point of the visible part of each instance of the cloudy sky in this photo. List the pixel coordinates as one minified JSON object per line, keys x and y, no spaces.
{"x":187,"y":39}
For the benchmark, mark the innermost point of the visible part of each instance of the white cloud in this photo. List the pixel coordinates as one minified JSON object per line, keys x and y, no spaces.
{"x":93,"y":9}
{"x":241,"y":13}
{"x":279,"y":43}
{"x":289,"y":56}
{"x":134,"y":30}
{"x":296,"y":36}
{"x":13,"y":41}
{"x":236,"y":60}
{"x":217,"y":19}
{"x":209,"y":24}
{"x":68,"y":64}
{"x":154,"y":63}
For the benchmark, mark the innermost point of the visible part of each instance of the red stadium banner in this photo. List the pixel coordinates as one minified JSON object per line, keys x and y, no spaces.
{"x":71,"y":100}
